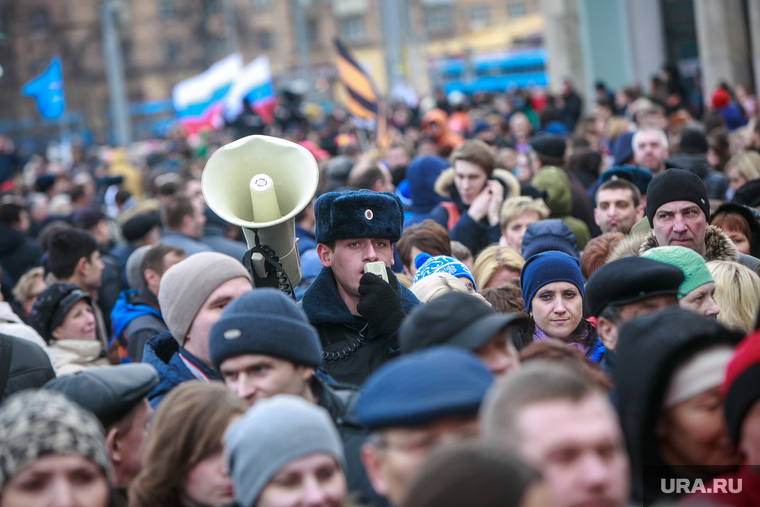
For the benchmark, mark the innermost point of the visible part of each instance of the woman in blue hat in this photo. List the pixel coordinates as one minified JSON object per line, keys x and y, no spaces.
{"x":552,"y":288}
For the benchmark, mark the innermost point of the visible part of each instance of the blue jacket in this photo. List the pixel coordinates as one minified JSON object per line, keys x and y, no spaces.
{"x":189,"y":245}
{"x":306,"y":239}
{"x":128,"y":307}
{"x":163,"y":353}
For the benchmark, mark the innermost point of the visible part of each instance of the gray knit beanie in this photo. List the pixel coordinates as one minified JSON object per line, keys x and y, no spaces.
{"x":270,"y":435}
{"x":186,"y":286}
{"x":134,"y":275}
{"x":36,"y":423}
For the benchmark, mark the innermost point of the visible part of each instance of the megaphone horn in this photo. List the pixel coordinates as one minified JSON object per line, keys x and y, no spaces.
{"x":261,"y":183}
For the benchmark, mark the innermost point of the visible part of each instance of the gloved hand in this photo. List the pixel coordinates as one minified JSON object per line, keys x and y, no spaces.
{"x":380,"y":303}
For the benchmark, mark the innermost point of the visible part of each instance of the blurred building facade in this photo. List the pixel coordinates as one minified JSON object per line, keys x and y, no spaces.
{"x":626,"y":42}
{"x":165,"y":41}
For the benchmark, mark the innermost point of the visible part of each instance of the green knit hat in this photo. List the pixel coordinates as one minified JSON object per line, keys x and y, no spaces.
{"x":690,"y":262}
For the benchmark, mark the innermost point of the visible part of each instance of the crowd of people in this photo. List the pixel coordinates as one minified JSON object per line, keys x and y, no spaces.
{"x":568,"y":316}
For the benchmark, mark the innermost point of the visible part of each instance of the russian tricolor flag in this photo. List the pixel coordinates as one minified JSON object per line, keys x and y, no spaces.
{"x":200,"y":100}
{"x":254,"y":83}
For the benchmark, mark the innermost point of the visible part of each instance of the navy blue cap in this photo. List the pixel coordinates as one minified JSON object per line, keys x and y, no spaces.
{"x":264,"y":321}
{"x":354,"y":214}
{"x":422,"y":387}
{"x":636,"y":175}
{"x":622,"y":148}
{"x":547,"y":235}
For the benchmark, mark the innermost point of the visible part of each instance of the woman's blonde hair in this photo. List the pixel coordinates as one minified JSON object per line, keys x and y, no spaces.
{"x":737,"y":293}
{"x":23,"y":289}
{"x":516,"y":206}
{"x":747,"y":163}
{"x":437,"y":284}
{"x":188,"y":427}
{"x":493,"y":258}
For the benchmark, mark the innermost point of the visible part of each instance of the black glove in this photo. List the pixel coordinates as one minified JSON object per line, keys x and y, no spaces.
{"x":380,"y":303}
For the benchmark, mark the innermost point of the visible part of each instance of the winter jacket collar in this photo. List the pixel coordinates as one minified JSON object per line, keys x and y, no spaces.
{"x":324,"y":306}
{"x":163,"y":353}
{"x":445,"y":187}
{"x":717,"y":245}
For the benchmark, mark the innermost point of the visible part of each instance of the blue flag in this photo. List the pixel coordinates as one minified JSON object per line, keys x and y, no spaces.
{"x":47,"y":90}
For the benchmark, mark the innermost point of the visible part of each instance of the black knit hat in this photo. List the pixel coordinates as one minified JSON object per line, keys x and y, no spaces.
{"x":748,"y":194}
{"x":267,"y":322}
{"x":52,"y":305}
{"x":676,"y":185}
{"x":138,"y":226}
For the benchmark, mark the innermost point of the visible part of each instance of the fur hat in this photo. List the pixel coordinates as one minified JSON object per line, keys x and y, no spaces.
{"x":355,"y":214}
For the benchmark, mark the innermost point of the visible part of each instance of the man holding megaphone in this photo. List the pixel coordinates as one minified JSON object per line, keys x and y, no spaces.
{"x":357,"y":313}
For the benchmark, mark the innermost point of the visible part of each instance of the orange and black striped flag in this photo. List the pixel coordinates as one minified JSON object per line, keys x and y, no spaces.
{"x":362,"y":100}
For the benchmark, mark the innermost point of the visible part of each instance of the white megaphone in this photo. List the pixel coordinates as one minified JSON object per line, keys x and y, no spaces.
{"x":261,"y":183}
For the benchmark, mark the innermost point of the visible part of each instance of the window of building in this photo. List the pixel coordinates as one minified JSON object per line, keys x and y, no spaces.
{"x":479,"y":16}
{"x":265,"y":40}
{"x":438,"y":19}
{"x":166,"y":9}
{"x":312,"y":31}
{"x":38,"y":19}
{"x":173,"y":50}
{"x":516,"y":9}
{"x":212,"y":6}
{"x":216,"y":47}
{"x":351,"y":29}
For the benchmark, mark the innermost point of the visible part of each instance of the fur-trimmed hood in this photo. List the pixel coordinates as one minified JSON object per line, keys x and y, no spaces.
{"x":718,"y":247}
{"x":627,"y":247}
{"x":444,"y":185}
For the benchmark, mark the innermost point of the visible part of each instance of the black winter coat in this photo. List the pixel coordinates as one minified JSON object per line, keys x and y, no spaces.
{"x":18,"y":253}
{"x":350,"y":351}
{"x":29,"y":366}
{"x":646,"y":360}
{"x":340,"y":400}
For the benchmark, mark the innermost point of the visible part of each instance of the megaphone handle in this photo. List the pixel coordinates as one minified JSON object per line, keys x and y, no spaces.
{"x":281,"y":281}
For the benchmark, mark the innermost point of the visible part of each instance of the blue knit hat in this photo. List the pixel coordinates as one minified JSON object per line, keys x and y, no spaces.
{"x":549,"y":267}
{"x":422,"y":387}
{"x":427,"y":265}
{"x":355,"y":214}
{"x":546,"y":235}
{"x":264,"y":321}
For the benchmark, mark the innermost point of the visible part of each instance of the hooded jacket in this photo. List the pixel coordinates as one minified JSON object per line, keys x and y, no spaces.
{"x":474,"y":235}
{"x":422,"y":174}
{"x":649,"y":351}
{"x":350,"y":353}
{"x":164,"y":353}
{"x":555,"y":183}
{"x":752,"y":216}
{"x":29,"y":366}
{"x":18,"y":252}
{"x":716,"y":183}
{"x":446,"y":141}
{"x":134,"y":320}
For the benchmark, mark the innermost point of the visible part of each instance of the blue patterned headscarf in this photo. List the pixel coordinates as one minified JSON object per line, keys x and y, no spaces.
{"x":427,"y":265}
